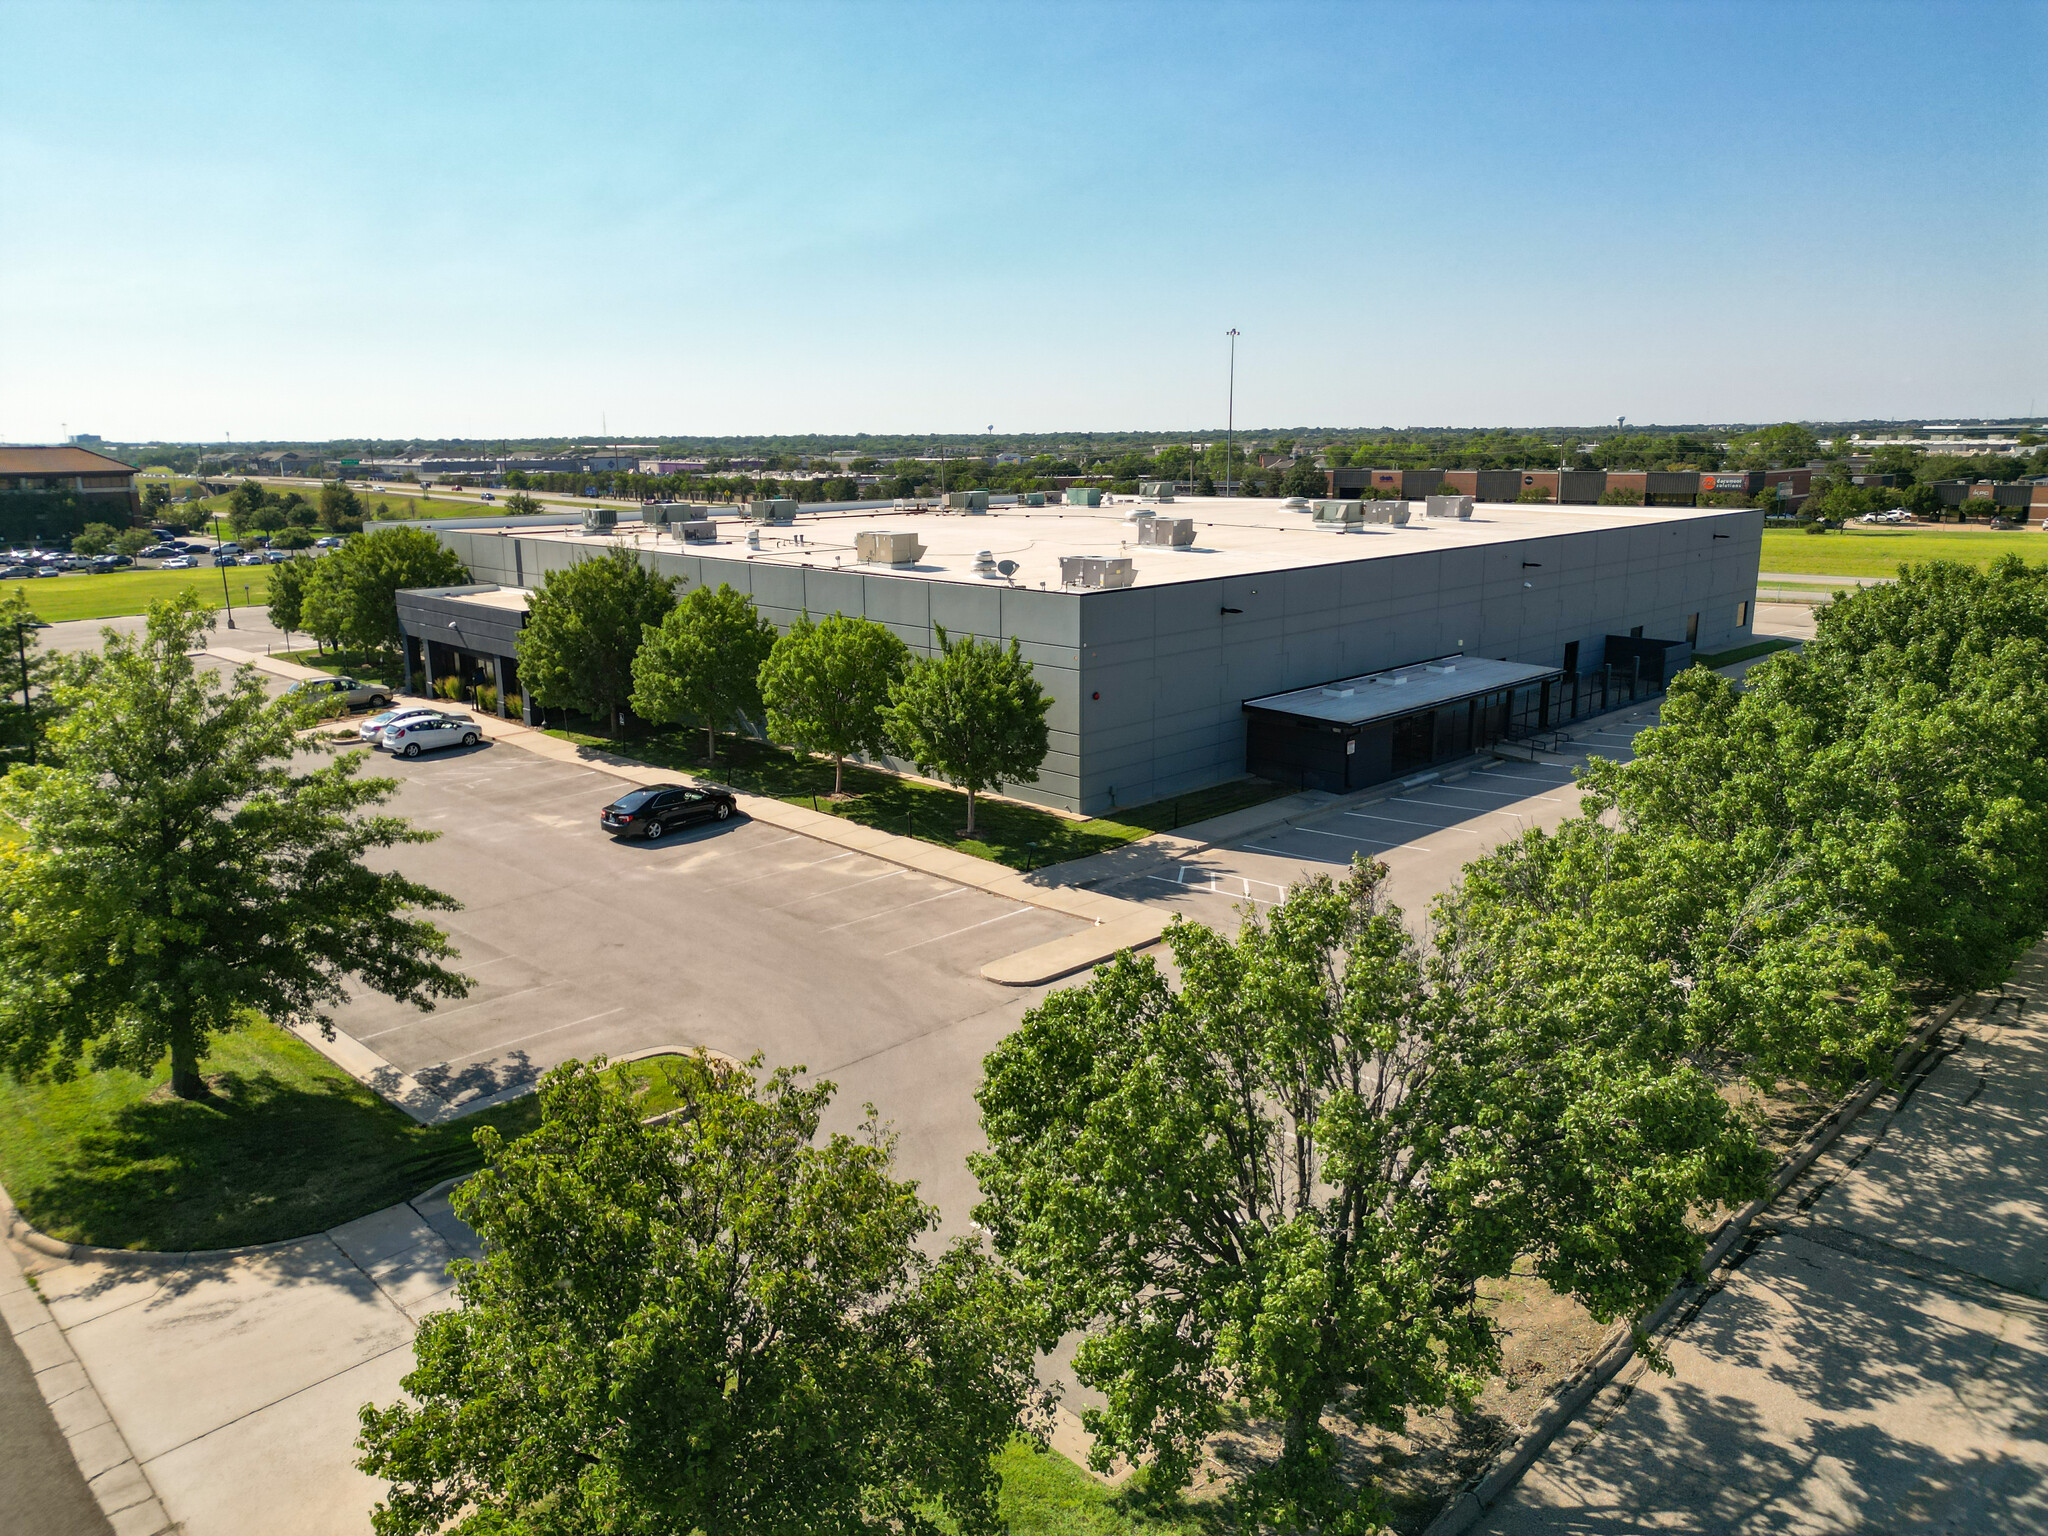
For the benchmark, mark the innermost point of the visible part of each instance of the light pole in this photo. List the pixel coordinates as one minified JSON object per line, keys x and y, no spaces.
{"x":224,"y":595}
{"x":1230,"y":415}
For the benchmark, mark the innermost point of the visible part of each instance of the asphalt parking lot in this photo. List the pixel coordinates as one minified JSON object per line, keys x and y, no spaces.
{"x":1424,"y":835}
{"x":735,"y":936}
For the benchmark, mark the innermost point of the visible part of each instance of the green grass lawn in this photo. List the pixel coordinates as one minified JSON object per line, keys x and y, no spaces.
{"x":1878,"y":551}
{"x":289,"y":1145}
{"x":1020,"y":836}
{"x":1044,"y":1494}
{"x":83,"y":595}
{"x":363,"y":666}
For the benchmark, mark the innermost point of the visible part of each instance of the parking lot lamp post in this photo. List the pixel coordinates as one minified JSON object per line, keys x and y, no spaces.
{"x":225,"y":596}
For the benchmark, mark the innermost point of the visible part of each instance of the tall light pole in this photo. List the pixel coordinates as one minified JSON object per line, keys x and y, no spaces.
{"x":1230,"y":416}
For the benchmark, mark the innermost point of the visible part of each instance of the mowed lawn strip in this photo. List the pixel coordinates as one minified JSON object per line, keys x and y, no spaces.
{"x":288,"y":1145}
{"x":1020,"y":836}
{"x":1876,"y":551}
{"x":89,"y":596}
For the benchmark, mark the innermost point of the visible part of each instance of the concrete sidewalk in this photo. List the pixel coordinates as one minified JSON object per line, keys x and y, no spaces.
{"x":1875,"y":1356}
{"x":220,"y":1391}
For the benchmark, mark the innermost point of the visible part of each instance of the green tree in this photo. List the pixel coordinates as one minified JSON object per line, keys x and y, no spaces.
{"x":519,"y":504}
{"x":722,"y":1324}
{"x":341,"y":509}
{"x":244,"y":502}
{"x":1304,"y":479}
{"x":584,"y":627}
{"x":974,"y":715}
{"x":288,"y":594}
{"x":294,"y":537}
{"x":133,"y":541}
{"x":351,"y":594}
{"x":30,"y":675}
{"x":703,"y":662}
{"x":94,"y":539}
{"x":1278,"y":1183}
{"x":155,"y":497}
{"x":1900,"y":459}
{"x":1788,"y":444}
{"x":826,"y":685}
{"x":178,"y":875}
{"x":268,"y":519}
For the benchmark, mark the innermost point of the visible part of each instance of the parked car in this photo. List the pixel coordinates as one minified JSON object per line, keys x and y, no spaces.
{"x":661,"y":808}
{"x":196,"y":549}
{"x":223,"y":559}
{"x":230,"y":548}
{"x":252,"y":559}
{"x":330,"y":542}
{"x":48,"y":570}
{"x":356,"y":695}
{"x":423,"y":733}
{"x":179,"y":563}
{"x":373,"y":728}
{"x":277,"y":556}
{"x":16,"y":572}
{"x":111,"y":562}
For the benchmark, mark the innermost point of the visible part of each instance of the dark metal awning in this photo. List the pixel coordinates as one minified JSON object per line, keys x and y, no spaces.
{"x":1401,"y":690}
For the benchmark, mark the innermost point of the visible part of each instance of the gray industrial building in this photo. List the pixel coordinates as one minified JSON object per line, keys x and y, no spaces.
{"x":1164,"y":630}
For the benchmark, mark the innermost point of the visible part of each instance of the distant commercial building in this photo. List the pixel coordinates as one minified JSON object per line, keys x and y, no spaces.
{"x":52,"y":493}
{"x":1165,"y":632}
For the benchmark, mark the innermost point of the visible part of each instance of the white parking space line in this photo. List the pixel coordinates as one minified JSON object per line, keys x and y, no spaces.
{"x":1357,"y":838}
{"x":887,"y":874}
{"x":492,"y":1050}
{"x":958,"y":890}
{"x":1504,"y":794}
{"x":1427,"y":826}
{"x":438,"y":1016}
{"x":920,"y":944}
{"x":735,"y":884}
{"x":1521,"y":778}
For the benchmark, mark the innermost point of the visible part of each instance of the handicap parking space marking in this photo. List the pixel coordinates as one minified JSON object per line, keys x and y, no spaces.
{"x":920,"y":944}
{"x":958,"y":890}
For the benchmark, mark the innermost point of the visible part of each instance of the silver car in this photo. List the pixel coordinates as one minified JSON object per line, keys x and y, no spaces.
{"x":322,"y":690}
{"x":410,"y":735}
{"x":373,"y":728}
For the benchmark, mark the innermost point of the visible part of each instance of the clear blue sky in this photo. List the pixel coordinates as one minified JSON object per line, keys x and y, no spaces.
{"x":309,"y":220}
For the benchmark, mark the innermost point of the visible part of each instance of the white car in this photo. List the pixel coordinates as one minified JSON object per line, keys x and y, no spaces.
{"x":178,"y":563}
{"x":411,"y":736}
{"x":373,"y":728}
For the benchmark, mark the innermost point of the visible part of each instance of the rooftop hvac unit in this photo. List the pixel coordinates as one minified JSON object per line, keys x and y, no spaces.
{"x":1167,"y":532}
{"x":778,"y":510}
{"x":1031,"y":499}
{"x":1096,"y":571}
{"x":695,"y":530}
{"x":1448,"y":506}
{"x":967,"y":501}
{"x":1394,"y":512}
{"x":1156,"y":490}
{"x":1084,"y":495}
{"x":655,"y":514}
{"x":600,"y":519}
{"x":879,"y":546}
{"x":1340,"y":514}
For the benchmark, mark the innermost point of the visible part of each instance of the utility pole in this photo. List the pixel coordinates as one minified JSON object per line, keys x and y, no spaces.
{"x":1230,"y":417}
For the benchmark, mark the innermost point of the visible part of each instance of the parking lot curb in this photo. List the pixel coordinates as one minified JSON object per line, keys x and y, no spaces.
{"x":1076,"y":951}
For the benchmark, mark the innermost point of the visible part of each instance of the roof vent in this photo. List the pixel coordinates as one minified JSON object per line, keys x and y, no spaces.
{"x":1156,"y":490}
{"x":985,"y":563}
{"x":1440,"y":666}
{"x":1338,"y":693}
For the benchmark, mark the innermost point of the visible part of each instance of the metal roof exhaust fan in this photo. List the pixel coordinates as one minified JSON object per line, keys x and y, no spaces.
{"x":879,"y":546}
{"x":985,"y":564}
{"x":1339,"y":515}
{"x":1156,"y":490}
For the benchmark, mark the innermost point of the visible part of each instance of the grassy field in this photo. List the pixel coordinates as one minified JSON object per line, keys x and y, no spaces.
{"x":1857,"y":551}
{"x":363,"y":666}
{"x":1740,"y":653}
{"x":288,"y":1145}
{"x":1044,"y":1494}
{"x":88,"y":596}
{"x":1020,"y":836}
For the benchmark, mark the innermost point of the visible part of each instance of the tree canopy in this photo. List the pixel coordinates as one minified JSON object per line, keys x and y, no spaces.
{"x":722,"y":1324}
{"x":585,"y":625}
{"x":974,"y":715}
{"x":351,"y":593}
{"x":703,"y":663}
{"x":177,"y":873}
{"x":826,"y":685}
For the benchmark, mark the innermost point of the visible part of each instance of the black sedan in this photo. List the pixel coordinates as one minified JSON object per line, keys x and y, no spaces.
{"x":661,"y":808}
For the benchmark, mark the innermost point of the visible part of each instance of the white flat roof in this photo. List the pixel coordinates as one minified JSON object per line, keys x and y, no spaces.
{"x":1233,"y":536}
{"x":496,"y":597}
{"x":1402,"y":690}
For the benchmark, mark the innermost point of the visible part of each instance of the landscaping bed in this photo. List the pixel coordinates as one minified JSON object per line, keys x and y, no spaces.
{"x":1022,"y":837}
